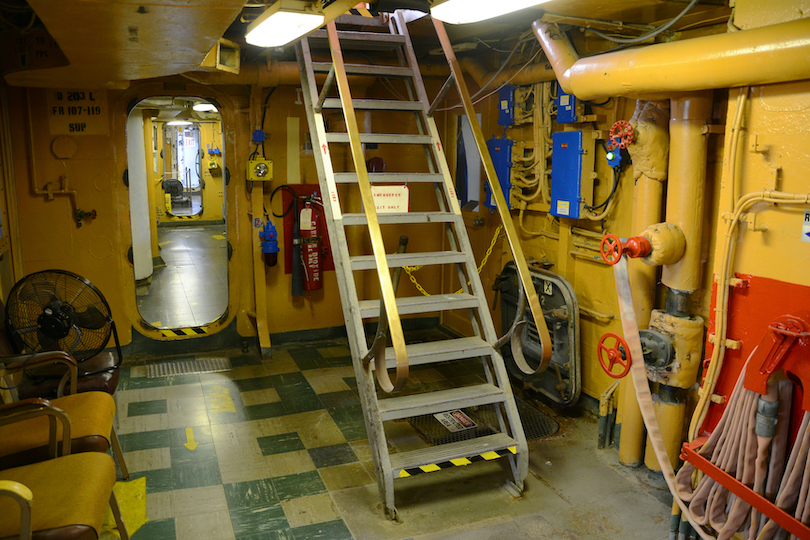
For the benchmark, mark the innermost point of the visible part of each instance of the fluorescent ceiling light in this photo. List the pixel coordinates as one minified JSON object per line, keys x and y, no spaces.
{"x":205,"y":107}
{"x":283,"y":22}
{"x":179,"y":123}
{"x":470,"y":11}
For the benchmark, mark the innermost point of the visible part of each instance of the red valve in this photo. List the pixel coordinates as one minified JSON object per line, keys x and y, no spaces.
{"x":621,"y":134}
{"x":619,"y":354}
{"x":612,"y":248}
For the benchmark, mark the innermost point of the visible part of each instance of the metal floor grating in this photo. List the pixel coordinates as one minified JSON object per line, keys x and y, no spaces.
{"x":188,"y":367}
{"x":536,"y":424}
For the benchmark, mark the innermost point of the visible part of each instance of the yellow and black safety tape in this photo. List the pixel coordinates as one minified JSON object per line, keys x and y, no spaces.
{"x":361,"y":11}
{"x":411,"y":269}
{"x":458,"y":462}
{"x":180,"y":332}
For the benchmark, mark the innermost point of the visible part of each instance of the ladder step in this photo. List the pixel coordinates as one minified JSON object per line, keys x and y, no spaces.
{"x":410,"y":217}
{"x":440,"y":401}
{"x":365,"y":69}
{"x":375,"y":104}
{"x":442,"y":455}
{"x":408,"y":305}
{"x":390,"y":178}
{"x":359,"y":20}
{"x":364,"y":40}
{"x":381,"y":138}
{"x":367,"y":262}
{"x":440,"y":351}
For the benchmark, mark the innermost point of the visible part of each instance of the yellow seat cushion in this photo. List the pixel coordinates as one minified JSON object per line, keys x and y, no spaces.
{"x":90,"y":413}
{"x":70,"y":490}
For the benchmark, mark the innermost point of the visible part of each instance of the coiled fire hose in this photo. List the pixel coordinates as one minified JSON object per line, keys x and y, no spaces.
{"x":753,"y":454}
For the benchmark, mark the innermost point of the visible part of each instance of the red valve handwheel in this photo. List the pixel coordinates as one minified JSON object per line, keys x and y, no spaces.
{"x":621,"y":134}
{"x":611,"y":249}
{"x":610,"y":356}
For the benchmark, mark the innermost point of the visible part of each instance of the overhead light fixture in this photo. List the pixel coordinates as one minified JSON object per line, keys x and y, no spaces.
{"x":471,"y":11}
{"x":205,"y":107}
{"x":179,"y":123}
{"x":283,"y":22}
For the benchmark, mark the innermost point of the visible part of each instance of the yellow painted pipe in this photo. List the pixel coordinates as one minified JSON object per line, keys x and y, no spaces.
{"x":687,"y":185}
{"x":766,"y":55}
{"x":670,"y":420}
{"x":532,"y":74}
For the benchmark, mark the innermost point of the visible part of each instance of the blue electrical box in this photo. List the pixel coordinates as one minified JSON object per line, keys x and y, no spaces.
{"x":506,"y":105}
{"x":572,"y":172}
{"x":566,"y":107}
{"x":500,"y":150}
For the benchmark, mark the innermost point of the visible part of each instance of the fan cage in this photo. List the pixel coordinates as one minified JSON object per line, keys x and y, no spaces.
{"x":80,"y":302}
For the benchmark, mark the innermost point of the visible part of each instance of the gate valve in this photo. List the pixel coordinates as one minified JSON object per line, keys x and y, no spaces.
{"x":621,"y":134}
{"x":618,"y":353}
{"x":612,"y":248}
{"x":79,"y":215}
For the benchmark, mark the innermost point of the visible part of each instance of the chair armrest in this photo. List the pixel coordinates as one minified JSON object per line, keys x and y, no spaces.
{"x":20,"y":362}
{"x":24,"y":498}
{"x":27,"y":409}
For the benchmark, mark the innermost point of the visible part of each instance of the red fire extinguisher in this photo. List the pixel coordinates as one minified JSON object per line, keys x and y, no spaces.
{"x":311,"y":223}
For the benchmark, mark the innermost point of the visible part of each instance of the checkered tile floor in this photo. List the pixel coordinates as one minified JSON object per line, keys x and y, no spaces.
{"x":254,"y":453}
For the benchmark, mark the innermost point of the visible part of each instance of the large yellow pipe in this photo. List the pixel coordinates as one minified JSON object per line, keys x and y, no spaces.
{"x":687,"y":184}
{"x":771,"y":54}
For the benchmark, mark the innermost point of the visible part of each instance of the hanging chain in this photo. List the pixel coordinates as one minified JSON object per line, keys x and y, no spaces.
{"x":411,"y":269}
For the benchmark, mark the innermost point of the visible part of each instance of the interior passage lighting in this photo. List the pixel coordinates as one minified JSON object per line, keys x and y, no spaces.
{"x":283,"y":22}
{"x":179,"y":123}
{"x":470,"y":11}
{"x":205,"y":107}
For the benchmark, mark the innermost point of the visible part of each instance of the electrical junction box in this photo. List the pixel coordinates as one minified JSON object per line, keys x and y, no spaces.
{"x":500,"y":150}
{"x":572,"y":172}
{"x":259,"y":170}
{"x":566,"y":107}
{"x":506,"y":105}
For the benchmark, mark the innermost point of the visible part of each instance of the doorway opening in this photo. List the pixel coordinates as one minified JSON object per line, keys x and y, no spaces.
{"x":178,"y":213}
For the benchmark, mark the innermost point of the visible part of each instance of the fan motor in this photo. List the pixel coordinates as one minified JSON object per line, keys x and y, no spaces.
{"x":55,"y":322}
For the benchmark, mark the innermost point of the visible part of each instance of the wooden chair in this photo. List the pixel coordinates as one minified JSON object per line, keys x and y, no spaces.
{"x":24,"y":438}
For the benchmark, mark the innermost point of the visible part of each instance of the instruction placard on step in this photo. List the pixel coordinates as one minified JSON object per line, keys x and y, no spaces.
{"x":455,"y":420}
{"x":806,"y":227}
{"x":391,"y":199}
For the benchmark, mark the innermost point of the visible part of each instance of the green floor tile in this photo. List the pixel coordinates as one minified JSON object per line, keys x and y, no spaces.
{"x":346,"y":414}
{"x":201,"y":434}
{"x":177,"y":380}
{"x":191,"y":475}
{"x":142,"y":408}
{"x":256,"y":383}
{"x":351,"y":381}
{"x":265,"y":410}
{"x":339,"y":399}
{"x":329,"y":456}
{"x":331,"y":530}
{"x":146,"y":440}
{"x":298,"y":485}
{"x":250,"y":494}
{"x":305,"y":403}
{"x":162,"y":529}
{"x":181,"y":455}
{"x":339,"y":361}
{"x":157,"y":481}
{"x":137,"y":383}
{"x":280,"y":444}
{"x":354,"y":432}
{"x":258,"y":520}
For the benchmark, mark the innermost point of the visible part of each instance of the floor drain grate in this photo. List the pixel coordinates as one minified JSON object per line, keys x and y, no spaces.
{"x":188,"y":367}
{"x":536,"y":424}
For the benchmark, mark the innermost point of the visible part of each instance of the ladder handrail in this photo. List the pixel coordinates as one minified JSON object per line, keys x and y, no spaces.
{"x":377,"y":244}
{"x":500,"y":202}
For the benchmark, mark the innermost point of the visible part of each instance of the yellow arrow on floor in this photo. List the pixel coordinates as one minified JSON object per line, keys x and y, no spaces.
{"x":191,"y":445}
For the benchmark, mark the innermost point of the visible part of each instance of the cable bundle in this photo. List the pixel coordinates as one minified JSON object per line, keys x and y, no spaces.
{"x":750,"y":443}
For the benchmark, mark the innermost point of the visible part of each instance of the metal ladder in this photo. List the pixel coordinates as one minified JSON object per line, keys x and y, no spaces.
{"x":339,"y":190}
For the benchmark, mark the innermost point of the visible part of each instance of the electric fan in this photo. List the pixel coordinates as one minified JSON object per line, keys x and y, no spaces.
{"x":59,"y":310}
